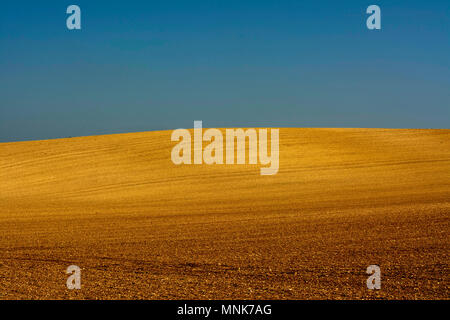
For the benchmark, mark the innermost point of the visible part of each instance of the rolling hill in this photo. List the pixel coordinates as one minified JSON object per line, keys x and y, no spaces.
{"x":141,"y":227}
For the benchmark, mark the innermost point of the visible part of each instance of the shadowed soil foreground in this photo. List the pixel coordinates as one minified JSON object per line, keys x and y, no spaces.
{"x":141,"y":227}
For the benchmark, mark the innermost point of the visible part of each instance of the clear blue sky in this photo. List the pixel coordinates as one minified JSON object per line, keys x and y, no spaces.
{"x":150,"y":65}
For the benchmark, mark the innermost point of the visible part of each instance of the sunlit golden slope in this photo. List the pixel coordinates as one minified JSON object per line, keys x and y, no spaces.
{"x":141,"y":227}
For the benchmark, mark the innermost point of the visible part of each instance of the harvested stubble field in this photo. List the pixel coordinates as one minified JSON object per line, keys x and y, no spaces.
{"x":141,"y":227}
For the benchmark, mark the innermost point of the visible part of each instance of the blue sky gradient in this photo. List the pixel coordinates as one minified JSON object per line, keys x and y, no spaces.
{"x":152,"y":65}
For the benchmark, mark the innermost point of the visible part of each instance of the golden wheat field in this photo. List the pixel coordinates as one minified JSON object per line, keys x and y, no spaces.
{"x":141,"y":227}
